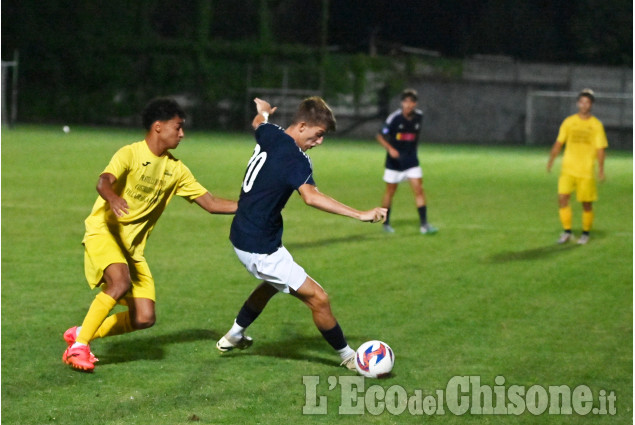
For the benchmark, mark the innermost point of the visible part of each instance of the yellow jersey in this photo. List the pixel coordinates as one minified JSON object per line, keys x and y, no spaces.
{"x":582,"y":138}
{"x":147,"y":183}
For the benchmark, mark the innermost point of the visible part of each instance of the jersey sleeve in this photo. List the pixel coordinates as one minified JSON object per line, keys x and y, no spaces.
{"x":266,"y":134}
{"x":600,"y":137}
{"x":386,"y":129}
{"x":294,"y":165}
{"x":563,"y":133}
{"x":299,"y":169}
{"x":302,"y":176}
{"x":188,"y":187}
{"x":119,"y":164}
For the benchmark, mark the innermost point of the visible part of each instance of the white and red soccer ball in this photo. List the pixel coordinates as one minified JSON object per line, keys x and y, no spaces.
{"x":374,"y":359}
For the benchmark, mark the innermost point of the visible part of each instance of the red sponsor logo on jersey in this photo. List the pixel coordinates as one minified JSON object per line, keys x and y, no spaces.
{"x":406,"y":137}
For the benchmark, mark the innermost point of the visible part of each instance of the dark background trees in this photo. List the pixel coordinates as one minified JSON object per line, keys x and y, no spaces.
{"x":98,"y":61}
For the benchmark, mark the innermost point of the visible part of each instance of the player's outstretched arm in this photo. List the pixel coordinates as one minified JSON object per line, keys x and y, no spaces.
{"x":215,"y":205}
{"x":316,"y":199}
{"x":105,"y":184}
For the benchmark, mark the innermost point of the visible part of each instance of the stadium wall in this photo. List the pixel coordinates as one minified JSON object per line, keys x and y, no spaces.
{"x":488,"y":103}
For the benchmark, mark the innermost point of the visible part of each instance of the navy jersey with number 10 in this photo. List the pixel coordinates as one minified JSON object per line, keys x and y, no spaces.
{"x":276,"y":169}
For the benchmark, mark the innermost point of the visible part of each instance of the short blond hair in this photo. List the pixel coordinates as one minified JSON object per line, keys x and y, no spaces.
{"x":314,"y":111}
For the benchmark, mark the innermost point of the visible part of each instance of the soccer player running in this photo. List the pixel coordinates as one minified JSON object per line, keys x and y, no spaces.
{"x":400,"y":136}
{"x":278,"y":167}
{"x":134,"y":189}
{"x":584,"y":139}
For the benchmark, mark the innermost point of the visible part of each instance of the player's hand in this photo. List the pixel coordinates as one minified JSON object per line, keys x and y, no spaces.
{"x":119,"y":206}
{"x":394,"y":153}
{"x":264,"y":106}
{"x":601,"y":176}
{"x":375,"y":215}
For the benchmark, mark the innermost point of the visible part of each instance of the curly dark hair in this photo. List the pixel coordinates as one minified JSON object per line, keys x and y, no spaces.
{"x":161,"y":109}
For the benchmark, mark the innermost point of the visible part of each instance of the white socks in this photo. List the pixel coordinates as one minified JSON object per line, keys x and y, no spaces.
{"x":346,"y":352}
{"x":77,"y":344}
{"x":235,"y":334}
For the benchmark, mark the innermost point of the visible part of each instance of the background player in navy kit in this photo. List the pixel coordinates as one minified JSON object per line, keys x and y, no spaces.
{"x":278,"y":167}
{"x":399,"y":136}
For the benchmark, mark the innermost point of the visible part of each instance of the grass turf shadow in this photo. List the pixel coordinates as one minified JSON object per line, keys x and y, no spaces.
{"x":326,"y":242}
{"x":540,"y":252}
{"x":150,"y":347}
{"x":531,"y":254}
{"x":295,"y":348}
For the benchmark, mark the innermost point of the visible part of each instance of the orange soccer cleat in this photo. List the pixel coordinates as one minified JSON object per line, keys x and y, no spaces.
{"x":79,"y":358}
{"x":70,"y":336}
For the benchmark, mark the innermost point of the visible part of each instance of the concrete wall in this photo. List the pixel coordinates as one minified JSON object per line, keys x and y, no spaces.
{"x":566,"y":77}
{"x":489,"y":103}
{"x":463,"y":111}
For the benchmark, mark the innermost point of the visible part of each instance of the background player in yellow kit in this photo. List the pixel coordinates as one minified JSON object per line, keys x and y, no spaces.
{"x":584,"y":139}
{"x":134,"y":189}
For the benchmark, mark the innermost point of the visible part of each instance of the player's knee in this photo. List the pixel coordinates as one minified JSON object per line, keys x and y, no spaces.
{"x":321,"y":301}
{"x":143,"y":321}
{"x":563,"y":200}
{"x":118,"y":288}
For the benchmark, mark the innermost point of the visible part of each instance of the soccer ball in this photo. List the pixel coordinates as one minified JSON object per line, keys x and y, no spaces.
{"x":374,"y":359}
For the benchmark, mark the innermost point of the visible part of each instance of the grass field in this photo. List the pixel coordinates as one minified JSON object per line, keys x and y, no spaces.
{"x":490,"y":295}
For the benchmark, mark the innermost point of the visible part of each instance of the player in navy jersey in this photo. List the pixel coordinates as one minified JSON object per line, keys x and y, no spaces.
{"x":278,"y":167}
{"x":400,"y":136}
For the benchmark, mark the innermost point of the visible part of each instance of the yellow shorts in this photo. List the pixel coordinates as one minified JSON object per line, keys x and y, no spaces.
{"x":585,"y":188}
{"x":100,"y":251}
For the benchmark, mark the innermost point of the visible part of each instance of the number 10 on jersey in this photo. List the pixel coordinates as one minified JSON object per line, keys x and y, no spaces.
{"x":256,"y":162}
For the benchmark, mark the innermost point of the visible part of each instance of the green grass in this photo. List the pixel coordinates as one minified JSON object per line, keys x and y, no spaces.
{"x":489,"y":295}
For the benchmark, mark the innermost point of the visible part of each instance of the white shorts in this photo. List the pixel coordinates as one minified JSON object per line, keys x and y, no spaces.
{"x":393,"y":176}
{"x":277,"y":269}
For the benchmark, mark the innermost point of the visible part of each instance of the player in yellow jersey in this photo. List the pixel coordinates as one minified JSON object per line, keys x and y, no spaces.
{"x":134,"y":189}
{"x":584,"y":139}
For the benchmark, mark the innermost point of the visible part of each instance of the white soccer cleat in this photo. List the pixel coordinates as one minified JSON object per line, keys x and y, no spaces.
{"x":565,"y":237}
{"x":349,"y":362}
{"x":428,"y":229}
{"x":582,"y":240}
{"x":388,"y":228}
{"x":224,"y":345}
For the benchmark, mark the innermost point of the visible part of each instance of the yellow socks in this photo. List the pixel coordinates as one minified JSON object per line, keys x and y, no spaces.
{"x":566,"y":217}
{"x":115,"y":324}
{"x":97,"y":313}
{"x":587,"y":220}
